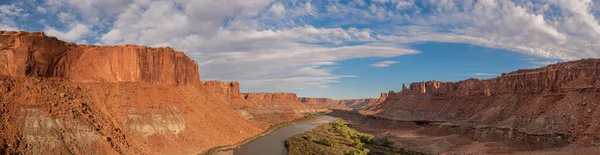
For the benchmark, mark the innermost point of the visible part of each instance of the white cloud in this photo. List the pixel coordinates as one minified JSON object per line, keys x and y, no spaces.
{"x":403,"y":4}
{"x":278,"y":9}
{"x":262,"y":41}
{"x":66,"y":17}
{"x":7,"y":15}
{"x":93,"y":10}
{"x":10,"y":10}
{"x":41,"y":9}
{"x":74,"y":34}
{"x":542,"y":63}
{"x":323,"y":63}
{"x":384,"y":63}
{"x":8,"y":28}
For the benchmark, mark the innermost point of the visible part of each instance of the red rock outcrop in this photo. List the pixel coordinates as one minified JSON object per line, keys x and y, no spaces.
{"x":273,"y":99}
{"x":358,"y":103}
{"x":331,"y":103}
{"x":230,"y":91}
{"x":377,"y":104}
{"x":382,"y":97}
{"x":318,"y":101}
{"x":35,"y":54}
{"x":560,"y":98}
{"x":41,"y":115}
{"x":62,"y":98}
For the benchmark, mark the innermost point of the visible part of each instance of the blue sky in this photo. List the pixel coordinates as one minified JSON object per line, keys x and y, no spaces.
{"x":330,"y":48}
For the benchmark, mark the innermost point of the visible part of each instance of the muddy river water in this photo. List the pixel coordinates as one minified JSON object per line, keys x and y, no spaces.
{"x":273,"y":143}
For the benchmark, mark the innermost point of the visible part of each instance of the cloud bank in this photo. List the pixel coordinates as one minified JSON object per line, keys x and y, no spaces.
{"x":295,"y":43}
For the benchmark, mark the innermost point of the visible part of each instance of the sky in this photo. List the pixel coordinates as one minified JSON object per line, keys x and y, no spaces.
{"x":330,"y":48}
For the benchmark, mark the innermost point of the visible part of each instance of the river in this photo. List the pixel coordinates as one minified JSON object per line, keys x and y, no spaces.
{"x":274,"y":142}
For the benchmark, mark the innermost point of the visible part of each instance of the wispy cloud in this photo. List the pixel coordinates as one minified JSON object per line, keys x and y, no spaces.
{"x":271,"y":43}
{"x":384,"y":63}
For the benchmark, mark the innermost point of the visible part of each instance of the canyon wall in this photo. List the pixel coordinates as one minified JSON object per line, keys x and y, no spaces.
{"x":64,"y":98}
{"x":230,"y":91}
{"x":358,"y":103}
{"x":377,"y":103}
{"x":561,"y":98}
{"x":35,"y":54}
{"x":290,"y":99}
{"x":319,"y":102}
{"x":331,"y":103}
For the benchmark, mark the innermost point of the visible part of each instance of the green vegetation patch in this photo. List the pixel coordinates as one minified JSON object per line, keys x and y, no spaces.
{"x":307,"y":116}
{"x":337,"y":138}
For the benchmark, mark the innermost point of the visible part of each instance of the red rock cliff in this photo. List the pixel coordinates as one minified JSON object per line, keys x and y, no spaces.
{"x":582,"y":74}
{"x":230,"y":91}
{"x":358,"y":103}
{"x":273,"y":98}
{"x":35,"y":54}
{"x":227,"y":88}
{"x":327,"y":102}
{"x":317,"y":101}
{"x":560,"y":98}
{"x":98,"y":104}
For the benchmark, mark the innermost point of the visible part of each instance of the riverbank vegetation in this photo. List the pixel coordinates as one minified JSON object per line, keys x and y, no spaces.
{"x":337,"y":138}
{"x":306,"y":117}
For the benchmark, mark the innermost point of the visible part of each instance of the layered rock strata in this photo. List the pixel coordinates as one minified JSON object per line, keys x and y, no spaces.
{"x":37,"y":55}
{"x":62,"y":98}
{"x":558,"y":99}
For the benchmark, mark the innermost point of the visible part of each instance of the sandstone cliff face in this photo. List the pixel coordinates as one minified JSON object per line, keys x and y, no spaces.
{"x":376,"y":104}
{"x":330,"y":103}
{"x":273,"y":98}
{"x":41,"y":115}
{"x":358,"y":103}
{"x":35,"y":54}
{"x":383,"y":97}
{"x":561,"y":77}
{"x":95,"y":102}
{"x":230,"y":91}
{"x":228,"y":88}
{"x":317,"y":101}
{"x":560,"y":98}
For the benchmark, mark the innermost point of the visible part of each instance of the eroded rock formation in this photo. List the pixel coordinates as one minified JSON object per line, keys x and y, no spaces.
{"x":273,"y":98}
{"x":558,"y":99}
{"x":331,"y":103}
{"x":35,"y":54}
{"x":62,"y":98}
{"x":230,"y":91}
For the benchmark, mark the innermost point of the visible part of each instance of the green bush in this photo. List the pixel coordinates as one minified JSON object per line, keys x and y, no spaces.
{"x":338,"y":122}
{"x":329,"y":142}
{"x":309,"y":137}
{"x":387,"y":142}
{"x":361,"y":152}
{"x":348,"y":137}
{"x":311,"y":115}
{"x":366,"y":138}
{"x":357,"y":143}
{"x":342,"y":129}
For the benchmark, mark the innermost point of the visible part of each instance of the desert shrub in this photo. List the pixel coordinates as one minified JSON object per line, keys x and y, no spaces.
{"x":329,"y":142}
{"x":357,"y":143}
{"x":387,"y":142}
{"x":348,"y":137}
{"x":342,"y":129}
{"x":360,"y":152}
{"x":366,"y":138}
{"x":311,"y":115}
{"x":309,"y":137}
{"x":338,"y":122}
